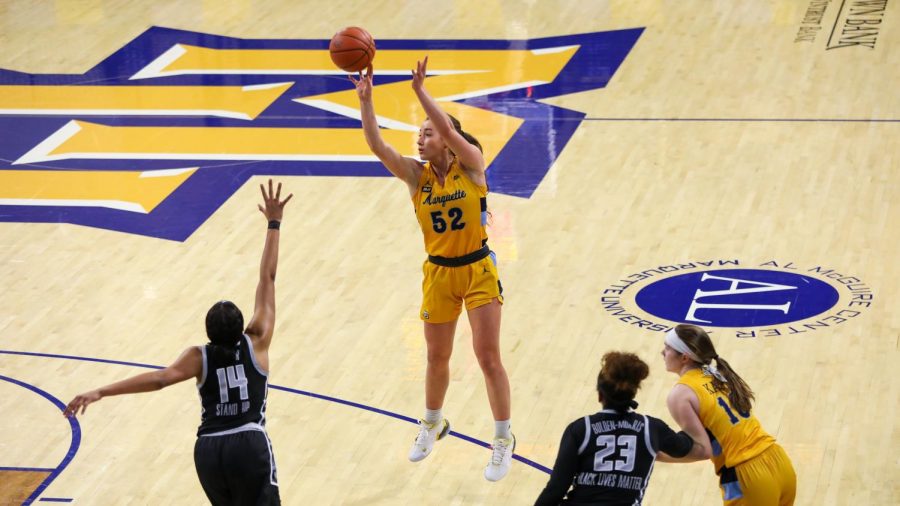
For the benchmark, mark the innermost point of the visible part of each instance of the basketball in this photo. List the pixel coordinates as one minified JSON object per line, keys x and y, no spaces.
{"x":352,"y":49}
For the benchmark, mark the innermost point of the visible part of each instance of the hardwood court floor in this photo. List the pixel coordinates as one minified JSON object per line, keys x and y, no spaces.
{"x":730,"y":131}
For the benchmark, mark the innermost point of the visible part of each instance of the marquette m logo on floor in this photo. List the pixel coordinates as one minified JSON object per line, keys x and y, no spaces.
{"x":156,"y":137}
{"x":755,"y":300}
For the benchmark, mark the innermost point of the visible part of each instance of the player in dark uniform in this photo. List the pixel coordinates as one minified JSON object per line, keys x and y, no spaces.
{"x":606,"y":458}
{"x":233,"y":454}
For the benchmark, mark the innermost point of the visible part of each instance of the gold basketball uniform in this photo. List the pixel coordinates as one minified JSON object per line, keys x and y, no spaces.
{"x":460,"y":267}
{"x":750,"y":465}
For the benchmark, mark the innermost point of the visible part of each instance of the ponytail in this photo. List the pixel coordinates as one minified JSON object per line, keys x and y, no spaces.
{"x":223,"y":352}
{"x":224,"y":328}
{"x":739,"y":393}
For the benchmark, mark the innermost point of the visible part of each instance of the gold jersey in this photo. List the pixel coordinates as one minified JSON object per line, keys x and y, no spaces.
{"x":453,"y":216}
{"x":736,"y":437}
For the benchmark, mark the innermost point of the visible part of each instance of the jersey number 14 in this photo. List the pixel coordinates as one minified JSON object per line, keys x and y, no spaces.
{"x":232,"y":377}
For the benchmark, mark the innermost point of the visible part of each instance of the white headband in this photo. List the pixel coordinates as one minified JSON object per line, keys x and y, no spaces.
{"x":678,"y":345}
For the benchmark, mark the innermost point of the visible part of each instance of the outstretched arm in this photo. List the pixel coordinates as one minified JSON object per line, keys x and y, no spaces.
{"x":469,"y":155}
{"x":188,"y":365}
{"x":262,"y":325}
{"x":399,"y":165}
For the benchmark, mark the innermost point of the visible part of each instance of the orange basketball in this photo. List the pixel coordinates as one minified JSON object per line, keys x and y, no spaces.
{"x":352,"y":49}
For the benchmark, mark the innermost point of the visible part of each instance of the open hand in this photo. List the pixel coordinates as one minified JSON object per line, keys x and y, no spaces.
{"x":274,"y":206}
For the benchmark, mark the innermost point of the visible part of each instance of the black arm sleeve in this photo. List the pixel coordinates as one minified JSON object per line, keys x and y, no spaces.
{"x":565,"y":467}
{"x":677,"y":445}
{"x":665,"y":439}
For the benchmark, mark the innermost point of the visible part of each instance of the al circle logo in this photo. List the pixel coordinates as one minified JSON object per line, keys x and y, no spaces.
{"x":753,"y":300}
{"x":735,"y":297}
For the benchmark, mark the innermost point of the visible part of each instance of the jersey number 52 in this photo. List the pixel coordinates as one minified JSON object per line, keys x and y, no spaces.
{"x":440,"y":225}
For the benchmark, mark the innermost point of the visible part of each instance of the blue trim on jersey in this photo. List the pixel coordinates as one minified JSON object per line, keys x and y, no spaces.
{"x":716,"y":447}
{"x":732,"y":490}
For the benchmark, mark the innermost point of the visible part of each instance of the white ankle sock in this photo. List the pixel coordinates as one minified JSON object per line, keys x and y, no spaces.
{"x":501,"y":429}
{"x":433,"y":416}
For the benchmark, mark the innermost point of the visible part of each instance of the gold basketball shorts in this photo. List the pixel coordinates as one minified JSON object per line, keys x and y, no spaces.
{"x":445,"y":289}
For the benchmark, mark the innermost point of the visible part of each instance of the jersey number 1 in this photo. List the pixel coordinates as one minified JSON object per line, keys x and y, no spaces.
{"x":610,"y":446}
{"x":733,"y":419}
{"x":232,"y":377}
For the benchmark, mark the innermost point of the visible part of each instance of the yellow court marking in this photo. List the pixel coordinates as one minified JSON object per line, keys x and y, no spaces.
{"x":461,"y":74}
{"x":182,"y":59}
{"x":456,"y":75}
{"x":783,"y":166}
{"x":127,"y":191}
{"x":16,"y":486}
{"x":241,"y":102}
{"x":81,"y":139}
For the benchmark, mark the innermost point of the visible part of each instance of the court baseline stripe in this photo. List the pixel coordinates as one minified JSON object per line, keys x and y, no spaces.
{"x":73,"y":446}
{"x":391,"y":414}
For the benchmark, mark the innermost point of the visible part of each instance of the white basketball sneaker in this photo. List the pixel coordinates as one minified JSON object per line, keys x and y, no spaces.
{"x":501,"y":459}
{"x":428,"y":434}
